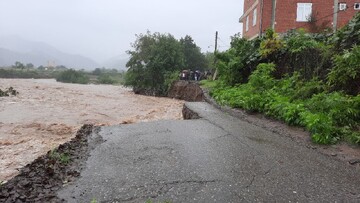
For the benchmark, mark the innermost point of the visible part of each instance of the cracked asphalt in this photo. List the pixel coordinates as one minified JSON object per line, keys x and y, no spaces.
{"x":217,"y":158}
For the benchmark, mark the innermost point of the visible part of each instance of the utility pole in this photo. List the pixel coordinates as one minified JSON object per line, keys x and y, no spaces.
{"x":216,"y":39}
{"x":215,"y":51}
{"x":336,"y":10}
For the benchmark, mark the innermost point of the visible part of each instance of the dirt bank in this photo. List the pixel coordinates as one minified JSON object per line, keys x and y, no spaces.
{"x":40,"y":180}
{"x":186,"y":90}
{"x":47,"y":113}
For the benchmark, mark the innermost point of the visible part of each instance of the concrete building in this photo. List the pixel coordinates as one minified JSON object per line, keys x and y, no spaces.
{"x":283,"y":15}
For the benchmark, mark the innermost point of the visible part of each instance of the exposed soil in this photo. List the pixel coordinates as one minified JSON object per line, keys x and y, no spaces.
{"x":186,"y":90}
{"x":40,"y":180}
{"x":46,"y":113}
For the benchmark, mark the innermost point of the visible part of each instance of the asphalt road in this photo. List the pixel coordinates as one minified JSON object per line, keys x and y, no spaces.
{"x":217,"y":158}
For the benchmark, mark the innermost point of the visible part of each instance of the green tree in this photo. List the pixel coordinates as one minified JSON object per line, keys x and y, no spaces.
{"x":19,"y":65}
{"x":154,"y":58}
{"x":194,"y":59}
{"x":29,"y":66}
{"x":210,"y":61}
{"x":41,"y":67}
{"x":97,"y":71}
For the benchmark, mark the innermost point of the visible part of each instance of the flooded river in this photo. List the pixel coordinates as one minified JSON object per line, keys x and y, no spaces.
{"x":47,"y":113}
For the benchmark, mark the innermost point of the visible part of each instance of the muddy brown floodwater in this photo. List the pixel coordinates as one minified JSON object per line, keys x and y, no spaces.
{"x":47,"y":113}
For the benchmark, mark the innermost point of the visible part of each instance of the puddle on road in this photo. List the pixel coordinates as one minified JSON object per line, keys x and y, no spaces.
{"x":47,"y":113}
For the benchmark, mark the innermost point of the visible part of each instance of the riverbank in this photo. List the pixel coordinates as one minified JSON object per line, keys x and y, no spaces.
{"x":46,"y":114}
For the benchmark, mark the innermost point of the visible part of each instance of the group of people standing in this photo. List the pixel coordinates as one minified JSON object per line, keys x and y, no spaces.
{"x":192,"y":75}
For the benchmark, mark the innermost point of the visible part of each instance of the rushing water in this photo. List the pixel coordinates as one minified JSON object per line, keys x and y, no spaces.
{"x":47,"y":113}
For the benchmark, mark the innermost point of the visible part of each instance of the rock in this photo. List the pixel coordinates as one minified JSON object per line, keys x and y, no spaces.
{"x":186,"y":90}
{"x":354,"y":161}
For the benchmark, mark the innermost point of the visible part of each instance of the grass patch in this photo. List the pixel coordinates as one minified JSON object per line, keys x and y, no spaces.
{"x":209,"y":84}
{"x":63,"y":158}
{"x":108,"y":78}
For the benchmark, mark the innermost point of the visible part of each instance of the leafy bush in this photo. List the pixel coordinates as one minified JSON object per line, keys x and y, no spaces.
{"x":309,"y":80}
{"x":236,"y":64}
{"x":348,"y":36}
{"x":346,"y":73}
{"x":106,"y":79}
{"x":72,"y":76}
{"x":271,"y":45}
{"x":329,"y":117}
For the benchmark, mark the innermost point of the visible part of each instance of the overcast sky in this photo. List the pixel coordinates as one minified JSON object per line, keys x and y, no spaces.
{"x":101,"y":29}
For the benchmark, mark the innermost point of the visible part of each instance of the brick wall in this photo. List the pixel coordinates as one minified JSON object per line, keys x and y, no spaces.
{"x":285,"y":17}
{"x":248,"y":11}
{"x":348,"y":14}
{"x":266,"y":16}
{"x":322,"y":11}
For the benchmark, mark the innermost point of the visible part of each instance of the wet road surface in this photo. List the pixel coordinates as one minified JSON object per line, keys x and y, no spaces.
{"x":216,"y":158}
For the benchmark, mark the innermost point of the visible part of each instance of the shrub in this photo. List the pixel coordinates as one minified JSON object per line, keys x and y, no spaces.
{"x":72,"y":76}
{"x":271,"y":45}
{"x":348,"y":36}
{"x":346,"y":73}
{"x":329,"y":117}
{"x":236,"y":64}
{"x":106,"y":79}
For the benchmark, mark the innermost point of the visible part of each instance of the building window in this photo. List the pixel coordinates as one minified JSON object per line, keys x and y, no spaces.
{"x":303,"y":13}
{"x":357,"y":6}
{"x":342,"y":6}
{"x":247,"y":23}
{"x":254,"y":17}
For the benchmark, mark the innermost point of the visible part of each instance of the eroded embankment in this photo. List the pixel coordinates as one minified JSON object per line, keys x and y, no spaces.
{"x":47,"y":113}
{"x":40,"y":180}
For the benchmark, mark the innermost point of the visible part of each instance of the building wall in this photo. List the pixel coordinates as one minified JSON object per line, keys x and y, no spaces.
{"x":249,"y":6}
{"x":322,"y":11}
{"x":345,"y":16}
{"x":266,"y":16}
{"x":285,"y":16}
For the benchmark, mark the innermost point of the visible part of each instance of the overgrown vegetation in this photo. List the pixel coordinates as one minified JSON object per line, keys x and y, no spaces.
{"x":73,"y":76}
{"x":157,"y":59}
{"x":62,"y":74}
{"x":304,"y":79}
{"x":21,"y":73}
{"x":108,"y":76}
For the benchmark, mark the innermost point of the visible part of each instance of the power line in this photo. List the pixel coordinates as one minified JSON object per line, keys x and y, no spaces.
{"x":225,"y":45}
{"x":320,"y":18}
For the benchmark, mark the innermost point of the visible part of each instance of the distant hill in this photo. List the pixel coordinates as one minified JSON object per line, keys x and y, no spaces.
{"x":117,"y":62}
{"x":38,"y":53}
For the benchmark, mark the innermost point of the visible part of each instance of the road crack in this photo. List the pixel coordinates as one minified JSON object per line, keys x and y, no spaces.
{"x":251,"y":182}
